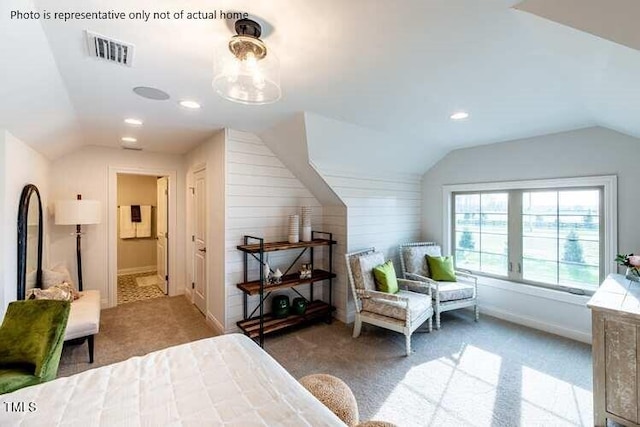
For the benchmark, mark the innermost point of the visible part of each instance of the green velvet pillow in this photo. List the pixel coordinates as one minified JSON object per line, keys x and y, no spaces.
{"x":31,"y":334}
{"x":441,"y":268}
{"x":385,"y":276}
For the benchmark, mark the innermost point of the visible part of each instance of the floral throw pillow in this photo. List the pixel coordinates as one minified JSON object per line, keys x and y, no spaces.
{"x":61,"y":292}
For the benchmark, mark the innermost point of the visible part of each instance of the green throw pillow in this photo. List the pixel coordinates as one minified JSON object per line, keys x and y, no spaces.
{"x":441,"y":268}
{"x":385,"y":276}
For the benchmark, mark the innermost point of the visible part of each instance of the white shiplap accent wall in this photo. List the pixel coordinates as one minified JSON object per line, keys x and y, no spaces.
{"x":381,"y":212}
{"x":335,"y":222}
{"x":261,"y":193}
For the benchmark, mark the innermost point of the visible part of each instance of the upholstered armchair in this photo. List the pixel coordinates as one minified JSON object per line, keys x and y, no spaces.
{"x":446,"y":295}
{"x":402,"y":312}
{"x":31,"y":338}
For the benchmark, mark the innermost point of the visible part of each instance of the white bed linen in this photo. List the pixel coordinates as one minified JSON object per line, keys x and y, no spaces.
{"x":226,"y":380}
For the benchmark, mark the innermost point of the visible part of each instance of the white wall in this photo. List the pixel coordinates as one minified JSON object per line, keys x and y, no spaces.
{"x":210,"y":154}
{"x":381,"y":207}
{"x":261,"y":193}
{"x":288,"y":141}
{"x":334,"y":220}
{"x":34,"y":102}
{"x":381,"y":212}
{"x":346,"y":146}
{"x":585,"y":152}
{"x":21,"y":165}
{"x":86,"y":172}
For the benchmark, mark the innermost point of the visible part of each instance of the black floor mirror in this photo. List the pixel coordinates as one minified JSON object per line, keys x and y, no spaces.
{"x":30,"y":225}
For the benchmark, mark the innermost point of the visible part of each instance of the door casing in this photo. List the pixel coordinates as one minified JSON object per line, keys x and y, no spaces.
{"x":112,"y":227}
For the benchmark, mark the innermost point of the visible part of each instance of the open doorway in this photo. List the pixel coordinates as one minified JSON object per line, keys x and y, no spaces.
{"x":142,"y":237}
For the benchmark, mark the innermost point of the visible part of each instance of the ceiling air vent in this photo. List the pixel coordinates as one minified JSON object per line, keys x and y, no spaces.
{"x":129,"y":147}
{"x":109,"y":49}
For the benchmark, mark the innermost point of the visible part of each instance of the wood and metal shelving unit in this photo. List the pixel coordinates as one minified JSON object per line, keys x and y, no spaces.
{"x":263,"y":324}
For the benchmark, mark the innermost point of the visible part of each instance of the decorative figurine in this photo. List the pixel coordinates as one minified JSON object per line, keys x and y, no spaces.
{"x":277,"y":276}
{"x":266,"y":271}
{"x":305,"y":271}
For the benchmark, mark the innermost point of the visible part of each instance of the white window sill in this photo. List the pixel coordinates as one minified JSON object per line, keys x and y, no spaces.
{"x":521,"y":288}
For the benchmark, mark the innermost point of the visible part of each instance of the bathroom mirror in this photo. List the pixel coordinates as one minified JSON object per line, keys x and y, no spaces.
{"x":30,"y":224}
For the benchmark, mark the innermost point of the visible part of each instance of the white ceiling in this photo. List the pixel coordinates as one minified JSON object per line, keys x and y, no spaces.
{"x":615,"y":20}
{"x":399,"y":68}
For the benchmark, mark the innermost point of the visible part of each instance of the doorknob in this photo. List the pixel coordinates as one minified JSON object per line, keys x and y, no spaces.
{"x":203,"y":250}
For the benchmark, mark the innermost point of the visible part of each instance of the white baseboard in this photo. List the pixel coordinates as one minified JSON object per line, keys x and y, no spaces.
{"x":344,"y":317}
{"x":535,"y":324}
{"x":211,"y":320}
{"x":137,"y":270}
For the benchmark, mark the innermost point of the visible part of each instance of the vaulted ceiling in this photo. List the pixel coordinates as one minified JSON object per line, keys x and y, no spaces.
{"x":397,"y":68}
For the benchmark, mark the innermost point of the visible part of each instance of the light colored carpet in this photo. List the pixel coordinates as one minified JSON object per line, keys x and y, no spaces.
{"x":490,"y":373}
{"x":129,"y":291}
{"x":136,"y":329}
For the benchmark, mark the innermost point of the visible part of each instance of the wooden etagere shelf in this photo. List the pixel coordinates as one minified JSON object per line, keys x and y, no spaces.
{"x":288,"y":281}
{"x":316,"y":310}
{"x":263,"y":324}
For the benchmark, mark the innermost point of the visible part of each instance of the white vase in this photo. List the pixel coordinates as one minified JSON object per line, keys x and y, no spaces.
{"x":294,"y":229}
{"x":306,"y":233}
{"x":305,"y":211}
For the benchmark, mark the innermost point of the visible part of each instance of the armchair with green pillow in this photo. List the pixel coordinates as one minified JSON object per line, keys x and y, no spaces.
{"x":31,"y":334}
{"x":384,"y":300}
{"x":452,"y":289}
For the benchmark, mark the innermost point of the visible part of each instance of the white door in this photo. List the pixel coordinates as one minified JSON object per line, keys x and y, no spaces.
{"x":200,"y":240}
{"x":162,"y":237}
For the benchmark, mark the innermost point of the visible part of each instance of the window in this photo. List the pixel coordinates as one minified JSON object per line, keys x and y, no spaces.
{"x":561,"y":237}
{"x":554,"y":233}
{"x":481,"y":232}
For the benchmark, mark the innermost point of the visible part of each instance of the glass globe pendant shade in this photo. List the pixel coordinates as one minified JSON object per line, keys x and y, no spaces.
{"x":247,"y":73}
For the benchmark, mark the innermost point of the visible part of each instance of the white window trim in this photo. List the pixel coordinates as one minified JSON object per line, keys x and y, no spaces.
{"x":610,"y":202}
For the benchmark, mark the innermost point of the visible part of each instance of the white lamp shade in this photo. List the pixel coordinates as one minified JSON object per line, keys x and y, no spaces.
{"x":74,"y":212}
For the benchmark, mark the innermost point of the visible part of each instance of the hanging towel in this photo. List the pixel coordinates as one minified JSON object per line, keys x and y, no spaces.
{"x":143,"y":228}
{"x":135,"y":213}
{"x":127,"y":228}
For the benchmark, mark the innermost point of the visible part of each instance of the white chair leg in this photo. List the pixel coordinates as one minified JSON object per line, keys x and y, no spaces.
{"x":356,"y":327}
{"x":477,"y":312}
{"x":408,"y":343}
{"x":431,"y":324}
{"x":437,"y":320}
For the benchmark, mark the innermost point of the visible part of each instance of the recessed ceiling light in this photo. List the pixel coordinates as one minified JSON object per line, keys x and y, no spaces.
{"x":193,"y":105}
{"x":128,"y":139}
{"x":133,"y":122}
{"x":460,"y":115}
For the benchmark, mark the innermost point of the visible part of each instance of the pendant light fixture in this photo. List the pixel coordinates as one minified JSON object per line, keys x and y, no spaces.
{"x":247,"y":72}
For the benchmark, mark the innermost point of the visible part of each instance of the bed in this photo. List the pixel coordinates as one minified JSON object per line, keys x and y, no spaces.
{"x":226,"y":380}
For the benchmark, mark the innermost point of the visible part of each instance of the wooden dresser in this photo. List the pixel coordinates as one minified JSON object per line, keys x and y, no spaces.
{"x":615,"y":310}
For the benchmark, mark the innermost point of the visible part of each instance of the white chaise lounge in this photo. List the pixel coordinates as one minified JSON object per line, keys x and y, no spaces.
{"x":84,"y":319}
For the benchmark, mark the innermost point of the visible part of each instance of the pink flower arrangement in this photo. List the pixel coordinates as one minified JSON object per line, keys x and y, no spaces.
{"x":630,"y":261}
